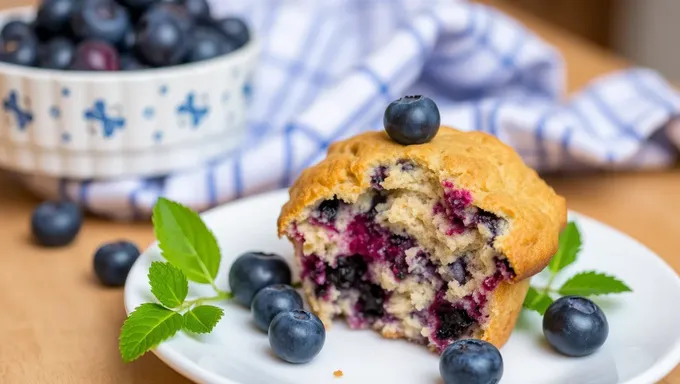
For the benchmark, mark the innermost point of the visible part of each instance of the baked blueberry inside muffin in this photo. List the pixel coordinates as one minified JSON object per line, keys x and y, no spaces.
{"x":431,"y":242}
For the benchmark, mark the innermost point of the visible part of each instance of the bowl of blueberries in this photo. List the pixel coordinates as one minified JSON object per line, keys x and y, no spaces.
{"x":121,"y":88}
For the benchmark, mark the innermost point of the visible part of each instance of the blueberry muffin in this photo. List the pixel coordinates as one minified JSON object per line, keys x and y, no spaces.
{"x":431,"y":242}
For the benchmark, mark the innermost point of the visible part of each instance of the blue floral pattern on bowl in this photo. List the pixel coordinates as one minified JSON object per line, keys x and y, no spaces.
{"x":98,"y":114}
{"x":102,"y":125}
{"x":23,"y":116}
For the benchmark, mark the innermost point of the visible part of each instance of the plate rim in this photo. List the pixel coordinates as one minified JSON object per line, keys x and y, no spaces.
{"x":194,"y":372}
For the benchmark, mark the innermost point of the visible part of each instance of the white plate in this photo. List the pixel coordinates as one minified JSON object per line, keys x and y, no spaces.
{"x":643,"y":344}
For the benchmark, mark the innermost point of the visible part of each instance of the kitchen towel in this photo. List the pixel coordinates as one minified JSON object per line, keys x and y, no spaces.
{"x":329,"y":68}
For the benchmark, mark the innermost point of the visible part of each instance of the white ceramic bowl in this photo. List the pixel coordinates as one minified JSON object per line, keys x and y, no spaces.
{"x":86,"y":125}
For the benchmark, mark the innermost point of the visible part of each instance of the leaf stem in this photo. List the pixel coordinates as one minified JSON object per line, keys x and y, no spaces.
{"x":545,"y":290}
{"x":221,"y":295}
{"x":548,"y":287}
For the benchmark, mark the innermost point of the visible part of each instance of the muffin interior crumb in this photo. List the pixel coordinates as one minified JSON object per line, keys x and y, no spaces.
{"x":412,"y":257}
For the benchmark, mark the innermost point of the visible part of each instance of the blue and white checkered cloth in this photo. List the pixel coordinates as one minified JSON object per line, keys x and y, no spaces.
{"x":329,"y":68}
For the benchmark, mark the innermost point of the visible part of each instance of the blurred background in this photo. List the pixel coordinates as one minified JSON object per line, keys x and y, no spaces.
{"x":640,"y":30}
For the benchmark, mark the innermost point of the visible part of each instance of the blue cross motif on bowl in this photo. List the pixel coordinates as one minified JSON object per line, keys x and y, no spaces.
{"x":108,"y":123}
{"x":23,"y":116}
{"x":195,"y":113}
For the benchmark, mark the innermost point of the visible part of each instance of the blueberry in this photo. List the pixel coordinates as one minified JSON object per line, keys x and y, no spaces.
{"x":328,"y":209}
{"x":16,"y":30}
{"x":95,"y":55}
{"x":137,"y":4}
{"x":471,"y":361}
{"x":198,"y":9}
{"x":169,"y":10}
{"x":131,"y":63}
{"x":412,"y":120}
{"x":23,"y":51}
{"x":161,"y":40}
{"x":453,"y":322}
{"x":54,"y":16}
{"x":575,"y":326}
{"x":128,"y":42}
{"x":101,"y":20}
{"x":253,"y":271}
{"x":235,"y":29}
{"x":56,"y":54}
{"x":459,"y":271}
{"x":297,"y":336}
{"x":272,"y":300}
{"x":55,"y":224}
{"x":113,"y":261}
{"x":207,"y":43}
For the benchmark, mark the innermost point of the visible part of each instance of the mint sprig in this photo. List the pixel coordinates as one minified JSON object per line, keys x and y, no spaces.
{"x":186,"y":242}
{"x":588,"y":283}
{"x":193,"y":255}
{"x":168,"y":284}
{"x":147,"y":326}
{"x":202,"y":319}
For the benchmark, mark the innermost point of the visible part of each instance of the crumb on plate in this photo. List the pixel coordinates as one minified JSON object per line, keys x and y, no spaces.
{"x":338,"y":373}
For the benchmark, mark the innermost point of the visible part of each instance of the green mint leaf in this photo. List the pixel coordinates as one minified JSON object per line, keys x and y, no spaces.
{"x":168,"y":284}
{"x":148,"y":325}
{"x":592,"y":283}
{"x":570,"y":245}
{"x":202,"y":319}
{"x":186,"y":241}
{"x":537,"y":301}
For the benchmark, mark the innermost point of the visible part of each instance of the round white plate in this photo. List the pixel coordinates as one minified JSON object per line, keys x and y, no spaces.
{"x":643,"y":344}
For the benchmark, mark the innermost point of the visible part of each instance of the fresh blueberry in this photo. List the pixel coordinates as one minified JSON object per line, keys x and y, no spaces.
{"x":161,"y":40}
{"x":101,"y":20}
{"x":95,"y":55}
{"x":297,"y":336}
{"x":169,"y":10}
{"x":235,"y":29}
{"x":16,"y":30}
{"x":207,"y":43}
{"x":55,"y":224}
{"x":253,"y":271}
{"x":272,"y":300}
{"x":127,"y":44}
{"x":113,"y":261}
{"x":198,"y":9}
{"x":412,"y":120}
{"x":471,"y":361}
{"x":575,"y":326}
{"x":137,"y":4}
{"x":131,"y":63}
{"x":23,"y":51}
{"x":54,"y":16}
{"x":56,"y":54}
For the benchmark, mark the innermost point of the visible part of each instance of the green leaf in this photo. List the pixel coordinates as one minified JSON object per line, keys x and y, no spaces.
{"x":537,"y":301}
{"x":202,"y":319}
{"x":186,"y":241}
{"x":592,"y":283}
{"x":168,"y":284}
{"x":146,"y":327}
{"x":570,"y":245}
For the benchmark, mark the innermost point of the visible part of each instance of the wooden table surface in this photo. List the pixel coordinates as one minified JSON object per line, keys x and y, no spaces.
{"x":58,"y":325}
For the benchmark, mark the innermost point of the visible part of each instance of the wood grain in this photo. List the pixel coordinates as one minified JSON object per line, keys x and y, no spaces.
{"x":58,"y":326}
